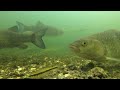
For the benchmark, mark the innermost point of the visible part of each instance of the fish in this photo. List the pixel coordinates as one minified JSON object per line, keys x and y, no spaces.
{"x":50,"y":30}
{"x":11,"y":39}
{"x":100,"y":46}
{"x":53,"y":31}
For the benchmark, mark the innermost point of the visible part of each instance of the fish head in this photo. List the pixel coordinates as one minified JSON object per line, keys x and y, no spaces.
{"x":88,"y":48}
{"x":53,"y":31}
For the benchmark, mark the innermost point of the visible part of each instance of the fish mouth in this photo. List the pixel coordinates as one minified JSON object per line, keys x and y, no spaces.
{"x":74,"y":48}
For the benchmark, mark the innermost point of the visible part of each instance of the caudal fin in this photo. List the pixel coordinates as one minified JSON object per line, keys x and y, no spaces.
{"x":37,"y":39}
{"x":39,"y":43}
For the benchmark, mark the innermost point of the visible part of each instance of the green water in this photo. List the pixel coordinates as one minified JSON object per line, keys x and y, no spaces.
{"x":75,"y":24}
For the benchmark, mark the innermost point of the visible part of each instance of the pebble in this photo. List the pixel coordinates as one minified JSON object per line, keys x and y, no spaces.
{"x":32,"y":69}
{"x":19,"y":69}
{"x":67,"y":75}
{"x":10,"y":78}
{"x":18,"y":77}
{"x":33,"y":65}
{"x":2,"y":71}
{"x":45,"y":58}
{"x":1,"y":77}
{"x":64,"y":65}
{"x":57,"y":61}
{"x":54,"y":78}
{"x":60,"y":76}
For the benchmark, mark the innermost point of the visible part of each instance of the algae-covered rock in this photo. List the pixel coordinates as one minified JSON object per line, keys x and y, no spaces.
{"x":72,"y":67}
{"x":88,"y":66}
{"x":97,"y":73}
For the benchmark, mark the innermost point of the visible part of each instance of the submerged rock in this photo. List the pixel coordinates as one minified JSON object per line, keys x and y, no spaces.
{"x":97,"y":73}
{"x":88,"y":66}
{"x":72,"y":67}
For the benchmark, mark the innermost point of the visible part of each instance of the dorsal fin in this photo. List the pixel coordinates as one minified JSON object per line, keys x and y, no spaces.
{"x":20,"y":26}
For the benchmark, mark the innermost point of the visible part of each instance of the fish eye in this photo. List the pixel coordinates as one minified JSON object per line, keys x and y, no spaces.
{"x":84,"y":43}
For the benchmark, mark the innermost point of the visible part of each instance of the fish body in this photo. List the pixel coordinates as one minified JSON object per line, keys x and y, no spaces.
{"x":36,"y":36}
{"x":49,"y":30}
{"x":53,"y":31}
{"x":10,"y":39}
{"x":98,"y":46}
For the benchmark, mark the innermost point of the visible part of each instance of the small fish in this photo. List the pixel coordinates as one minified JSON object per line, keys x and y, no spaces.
{"x":100,"y":46}
{"x":10,"y":39}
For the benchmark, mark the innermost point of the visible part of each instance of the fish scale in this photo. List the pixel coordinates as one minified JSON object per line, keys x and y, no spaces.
{"x":110,"y":41}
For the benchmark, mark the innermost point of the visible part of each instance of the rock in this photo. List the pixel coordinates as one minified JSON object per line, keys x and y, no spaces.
{"x":60,"y":76}
{"x":45,"y":58}
{"x":18,"y":77}
{"x":57,"y":61}
{"x":64,"y":66}
{"x":72,"y":67}
{"x":2,"y":71}
{"x":33,"y":65}
{"x":19,"y":69}
{"x":54,"y":78}
{"x":88,"y":66}
{"x":33,"y":69}
{"x":1,"y":77}
{"x":10,"y":78}
{"x":97,"y":73}
{"x":67,"y":75}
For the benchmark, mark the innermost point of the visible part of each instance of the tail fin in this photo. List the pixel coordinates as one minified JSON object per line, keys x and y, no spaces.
{"x":37,"y":39}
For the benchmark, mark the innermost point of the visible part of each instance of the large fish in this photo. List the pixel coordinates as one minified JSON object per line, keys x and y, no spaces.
{"x":10,"y":39}
{"x":100,"y":46}
{"x":50,"y":30}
